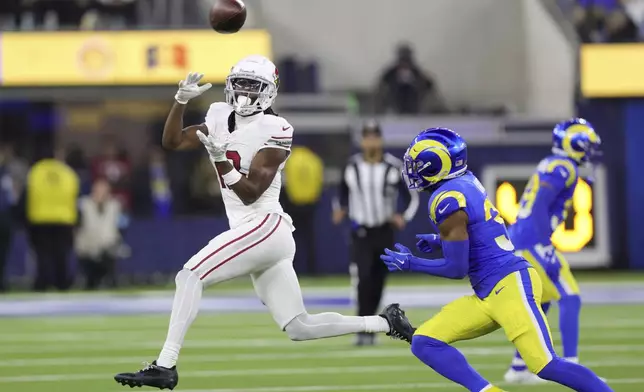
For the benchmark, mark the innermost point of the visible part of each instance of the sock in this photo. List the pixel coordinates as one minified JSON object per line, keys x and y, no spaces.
{"x":325,"y":325}
{"x":448,"y":362}
{"x":569,"y":309}
{"x":573,"y":376}
{"x":184,"y":311}
{"x":518,"y":364}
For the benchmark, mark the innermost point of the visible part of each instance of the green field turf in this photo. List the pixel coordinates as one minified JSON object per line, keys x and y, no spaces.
{"x":246,"y":352}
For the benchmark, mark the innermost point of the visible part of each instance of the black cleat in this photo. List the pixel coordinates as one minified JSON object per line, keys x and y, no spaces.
{"x":151,"y":376}
{"x":400,"y":327}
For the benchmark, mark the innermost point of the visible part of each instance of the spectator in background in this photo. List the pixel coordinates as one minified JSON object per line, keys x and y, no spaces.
{"x":109,"y":14}
{"x":153,"y":195}
{"x":114,"y":166}
{"x":16,"y":167}
{"x":404,"y":88}
{"x":620,"y":27}
{"x":7,"y":202}
{"x":588,"y":23}
{"x":76,"y":160}
{"x":50,"y":201}
{"x":98,"y":239}
{"x":303,"y":179}
{"x":205,"y":189}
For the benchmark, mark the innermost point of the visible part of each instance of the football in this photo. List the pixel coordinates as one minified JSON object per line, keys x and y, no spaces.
{"x":228,"y":16}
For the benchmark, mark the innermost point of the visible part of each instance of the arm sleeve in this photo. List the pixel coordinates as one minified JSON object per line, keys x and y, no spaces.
{"x":453,"y":266}
{"x":557,"y":176}
{"x":546,"y":195}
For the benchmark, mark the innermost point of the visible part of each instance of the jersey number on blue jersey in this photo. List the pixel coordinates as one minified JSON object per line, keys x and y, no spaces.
{"x":491,"y":213}
{"x":528,"y":197}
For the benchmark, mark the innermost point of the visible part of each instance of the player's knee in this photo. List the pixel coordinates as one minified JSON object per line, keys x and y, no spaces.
{"x":570,"y":301}
{"x":298,"y":329}
{"x":186,"y":277}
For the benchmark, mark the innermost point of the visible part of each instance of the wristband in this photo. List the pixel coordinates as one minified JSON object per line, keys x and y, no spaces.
{"x":232,"y":177}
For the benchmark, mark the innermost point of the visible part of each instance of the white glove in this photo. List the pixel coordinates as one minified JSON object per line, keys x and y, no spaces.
{"x":216,"y":149}
{"x":189,"y":88}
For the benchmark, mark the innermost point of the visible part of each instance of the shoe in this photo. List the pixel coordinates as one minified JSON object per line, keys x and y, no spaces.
{"x":399,"y":326}
{"x":151,"y":375}
{"x":522,"y":377}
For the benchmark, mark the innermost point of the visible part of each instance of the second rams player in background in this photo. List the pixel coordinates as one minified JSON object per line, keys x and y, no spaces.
{"x":545,"y":204}
{"x":474,"y":240}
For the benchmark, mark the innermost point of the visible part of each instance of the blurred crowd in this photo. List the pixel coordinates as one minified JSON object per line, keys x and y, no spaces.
{"x":608,"y":21}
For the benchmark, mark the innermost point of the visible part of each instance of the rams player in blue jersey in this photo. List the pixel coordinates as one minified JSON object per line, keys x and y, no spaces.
{"x":544,"y":205}
{"x":475,"y":243}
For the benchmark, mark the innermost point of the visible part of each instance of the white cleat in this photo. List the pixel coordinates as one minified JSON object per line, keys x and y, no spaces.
{"x":522,"y":377}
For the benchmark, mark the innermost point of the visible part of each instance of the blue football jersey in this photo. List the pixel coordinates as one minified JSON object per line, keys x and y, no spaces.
{"x":558,"y":173}
{"x":491,"y":251}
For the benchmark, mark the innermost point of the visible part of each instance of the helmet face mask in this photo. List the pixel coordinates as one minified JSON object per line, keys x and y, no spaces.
{"x":252,"y":85}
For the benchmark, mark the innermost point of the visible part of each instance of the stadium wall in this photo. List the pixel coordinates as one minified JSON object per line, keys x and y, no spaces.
{"x":550,"y":64}
{"x":475,"y":49}
{"x":483,"y":53}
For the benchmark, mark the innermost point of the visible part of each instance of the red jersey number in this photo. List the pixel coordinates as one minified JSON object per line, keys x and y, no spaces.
{"x":235,"y":159}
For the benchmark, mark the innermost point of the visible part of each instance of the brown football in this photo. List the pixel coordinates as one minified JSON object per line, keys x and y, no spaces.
{"x":228,"y":16}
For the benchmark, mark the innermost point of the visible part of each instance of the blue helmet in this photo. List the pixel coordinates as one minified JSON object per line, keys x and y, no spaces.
{"x":576,"y":139}
{"x":436,"y":154}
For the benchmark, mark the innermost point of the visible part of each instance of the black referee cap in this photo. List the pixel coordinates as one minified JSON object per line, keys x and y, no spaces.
{"x":371,"y":128}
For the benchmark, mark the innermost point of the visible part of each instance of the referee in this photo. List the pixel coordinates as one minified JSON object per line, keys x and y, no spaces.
{"x":369,"y":191}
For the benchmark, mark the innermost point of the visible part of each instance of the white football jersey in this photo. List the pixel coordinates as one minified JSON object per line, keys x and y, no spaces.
{"x":251,"y":135}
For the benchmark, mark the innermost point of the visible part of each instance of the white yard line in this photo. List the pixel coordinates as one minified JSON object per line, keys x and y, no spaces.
{"x":290,"y":356}
{"x":246,"y":373}
{"x":119,"y":346}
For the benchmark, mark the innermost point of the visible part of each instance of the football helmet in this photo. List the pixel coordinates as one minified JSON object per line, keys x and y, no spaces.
{"x":436,"y":154}
{"x":252,"y":85}
{"x":576,"y":139}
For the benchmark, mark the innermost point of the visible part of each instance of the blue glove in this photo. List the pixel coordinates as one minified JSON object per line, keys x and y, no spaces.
{"x":397,"y":261}
{"x":551,"y":263}
{"x":428,"y":242}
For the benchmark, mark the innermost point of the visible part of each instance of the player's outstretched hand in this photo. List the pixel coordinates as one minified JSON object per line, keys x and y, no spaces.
{"x":189,"y":88}
{"x":397,"y":261}
{"x":216,"y":149}
{"x":428,"y":242}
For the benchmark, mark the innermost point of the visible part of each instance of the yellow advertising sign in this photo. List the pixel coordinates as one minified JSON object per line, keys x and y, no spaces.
{"x":123,"y":58}
{"x":612,"y":70}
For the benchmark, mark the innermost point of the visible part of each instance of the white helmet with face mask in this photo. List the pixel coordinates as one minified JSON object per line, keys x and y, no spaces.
{"x":252,"y":85}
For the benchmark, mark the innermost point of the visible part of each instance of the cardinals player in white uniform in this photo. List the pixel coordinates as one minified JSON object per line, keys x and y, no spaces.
{"x":248,"y":145}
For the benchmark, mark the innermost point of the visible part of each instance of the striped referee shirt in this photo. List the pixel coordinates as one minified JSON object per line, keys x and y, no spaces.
{"x":370,"y":191}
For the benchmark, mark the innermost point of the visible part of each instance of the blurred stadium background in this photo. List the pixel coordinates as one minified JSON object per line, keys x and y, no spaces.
{"x":93,"y":80}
